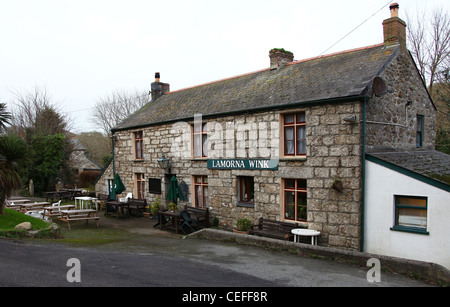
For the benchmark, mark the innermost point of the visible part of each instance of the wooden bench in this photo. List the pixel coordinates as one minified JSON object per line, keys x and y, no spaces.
{"x":68,"y":216}
{"x":137,"y":206}
{"x":199,"y":215}
{"x":274,"y":229}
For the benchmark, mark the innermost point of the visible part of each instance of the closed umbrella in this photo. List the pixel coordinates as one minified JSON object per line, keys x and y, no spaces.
{"x":118,"y":187}
{"x":174,"y":191}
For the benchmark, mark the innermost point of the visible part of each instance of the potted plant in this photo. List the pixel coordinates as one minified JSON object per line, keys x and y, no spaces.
{"x":155,"y":207}
{"x":148,"y":212}
{"x":172,"y":206}
{"x":243,"y":225}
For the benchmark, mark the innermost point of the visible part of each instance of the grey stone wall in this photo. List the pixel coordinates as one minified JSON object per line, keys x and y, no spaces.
{"x":333,"y":151}
{"x":391,"y":120}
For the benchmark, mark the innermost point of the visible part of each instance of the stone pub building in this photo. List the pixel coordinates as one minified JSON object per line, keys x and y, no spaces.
{"x":287,"y":142}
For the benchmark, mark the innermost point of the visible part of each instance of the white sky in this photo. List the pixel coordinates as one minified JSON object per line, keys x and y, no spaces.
{"x":81,"y":50}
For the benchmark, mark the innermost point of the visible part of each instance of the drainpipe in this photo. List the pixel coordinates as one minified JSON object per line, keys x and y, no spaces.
{"x":113,"y":159}
{"x":113,"y":137}
{"x":363,"y":170}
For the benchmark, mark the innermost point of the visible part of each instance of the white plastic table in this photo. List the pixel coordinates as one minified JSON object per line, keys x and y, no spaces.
{"x":84,"y":201}
{"x":306,"y":232}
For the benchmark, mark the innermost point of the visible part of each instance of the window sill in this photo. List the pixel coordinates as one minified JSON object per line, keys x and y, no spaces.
{"x":138,"y":160}
{"x":290,"y":159}
{"x":415,"y":230}
{"x":246,"y":205}
{"x":301,"y":224}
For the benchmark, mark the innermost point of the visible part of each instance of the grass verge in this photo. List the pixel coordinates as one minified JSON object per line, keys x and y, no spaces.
{"x":11,"y":218}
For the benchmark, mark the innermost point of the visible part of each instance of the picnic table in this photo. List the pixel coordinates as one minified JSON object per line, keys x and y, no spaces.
{"x":33,"y":206}
{"x":73,"y":192}
{"x":18,"y":201}
{"x":61,"y":195}
{"x":68,"y":216}
{"x":173,"y":215}
{"x":52,"y":211}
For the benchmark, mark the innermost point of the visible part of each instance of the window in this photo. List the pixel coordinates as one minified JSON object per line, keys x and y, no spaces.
{"x":419,"y":132}
{"x":295,"y":201}
{"x":154,"y":186}
{"x":410,"y":214}
{"x":138,"y":145}
{"x":294,"y":126}
{"x":200,"y":141}
{"x":246,"y":190}
{"x":201,"y":191}
{"x":140,"y":186}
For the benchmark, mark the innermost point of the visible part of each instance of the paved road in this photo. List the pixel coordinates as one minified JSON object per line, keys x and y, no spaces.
{"x":176,"y":262}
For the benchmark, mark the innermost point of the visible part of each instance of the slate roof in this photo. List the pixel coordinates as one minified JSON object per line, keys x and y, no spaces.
{"x":430,"y":163}
{"x":340,"y":75}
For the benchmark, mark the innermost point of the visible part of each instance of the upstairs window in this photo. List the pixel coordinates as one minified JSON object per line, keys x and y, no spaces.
{"x":419,"y":131}
{"x":294,"y":126}
{"x":200,"y":141}
{"x":138,"y":145}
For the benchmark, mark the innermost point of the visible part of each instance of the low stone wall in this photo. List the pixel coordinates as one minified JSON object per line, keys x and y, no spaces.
{"x":423,"y":270}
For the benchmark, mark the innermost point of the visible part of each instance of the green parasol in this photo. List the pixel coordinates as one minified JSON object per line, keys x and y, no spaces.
{"x":174,"y":191}
{"x":118,"y":187}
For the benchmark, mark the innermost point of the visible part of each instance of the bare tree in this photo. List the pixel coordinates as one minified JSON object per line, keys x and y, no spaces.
{"x":115,"y":107}
{"x":429,"y":41}
{"x":35,"y":110}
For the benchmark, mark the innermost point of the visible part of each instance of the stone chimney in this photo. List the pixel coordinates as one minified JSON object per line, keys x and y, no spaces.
{"x":394,"y":29}
{"x":159,"y":88}
{"x":279,"y":58}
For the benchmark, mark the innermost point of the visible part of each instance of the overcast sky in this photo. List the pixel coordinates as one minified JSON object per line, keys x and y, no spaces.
{"x":81,"y":50}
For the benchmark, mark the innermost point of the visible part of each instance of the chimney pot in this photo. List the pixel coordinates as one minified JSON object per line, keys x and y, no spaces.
{"x":394,"y":9}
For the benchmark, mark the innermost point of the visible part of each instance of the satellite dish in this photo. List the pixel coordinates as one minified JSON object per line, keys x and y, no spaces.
{"x":379,"y":86}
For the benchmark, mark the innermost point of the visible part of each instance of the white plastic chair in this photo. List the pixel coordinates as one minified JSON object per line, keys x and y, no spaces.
{"x":125,"y":199}
{"x":36,"y":214}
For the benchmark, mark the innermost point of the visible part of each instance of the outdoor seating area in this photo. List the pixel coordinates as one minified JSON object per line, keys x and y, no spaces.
{"x":55,"y":211}
{"x":185,"y":220}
